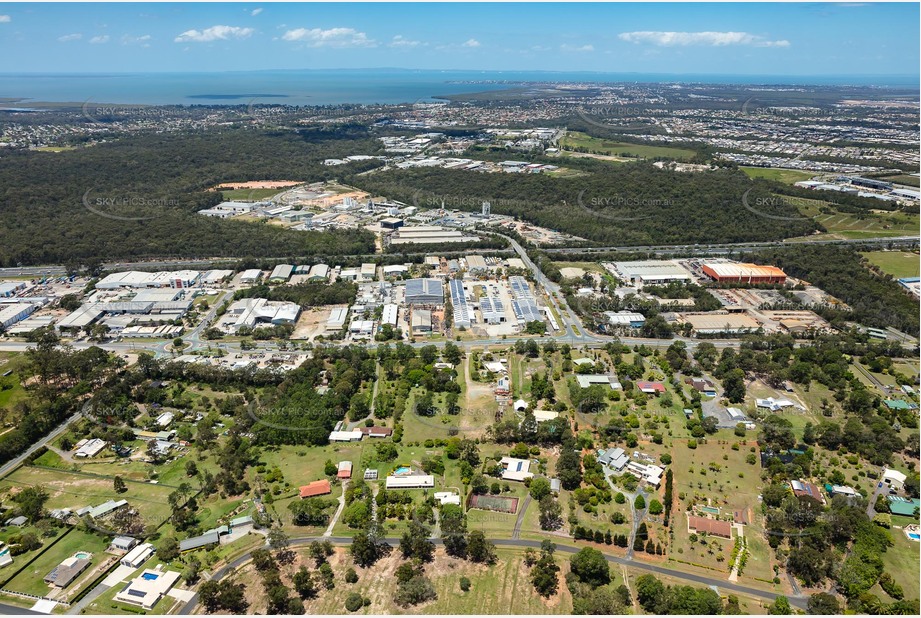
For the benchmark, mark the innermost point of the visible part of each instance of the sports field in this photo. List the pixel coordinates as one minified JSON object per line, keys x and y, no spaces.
{"x":249,"y":195}
{"x":896,"y":263}
{"x":788,"y":177}
{"x":502,"y":504}
{"x":575,"y":139}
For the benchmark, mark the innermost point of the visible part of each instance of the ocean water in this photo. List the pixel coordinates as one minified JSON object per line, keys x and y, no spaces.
{"x":331,"y":87}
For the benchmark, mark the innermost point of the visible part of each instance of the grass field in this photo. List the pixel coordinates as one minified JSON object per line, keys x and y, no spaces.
{"x":11,"y":390}
{"x":70,"y":490}
{"x":848,"y":226}
{"x":787,"y":177}
{"x":575,"y":139}
{"x":500,"y":589}
{"x":711,"y":474}
{"x":249,"y":195}
{"x":896,"y":263}
{"x":903,"y":179}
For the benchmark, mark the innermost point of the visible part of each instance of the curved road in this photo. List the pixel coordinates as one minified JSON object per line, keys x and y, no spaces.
{"x":796,"y":601}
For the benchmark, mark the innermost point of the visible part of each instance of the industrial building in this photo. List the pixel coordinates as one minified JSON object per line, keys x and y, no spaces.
{"x":389,"y":314}
{"x":318,"y":272}
{"x":652,"y":272}
{"x":9,"y":288}
{"x":395,"y":270}
{"x":250,"y":276}
{"x":424,"y":292}
{"x":251,"y":312}
{"x":391,"y":223}
{"x":124,"y":314}
{"x":421,"y":321}
{"x":625,"y":318}
{"x":336,"y":320}
{"x":459,"y":302}
{"x":524,"y":304}
{"x":281,"y":273}
{"x":526,"y":310}
{"x":368,"y":271}
{"x":492,"y":310}
{"x":215,"y":276}
{"x":734,"y":272}
{"x":428,"y":234}
{"x":12,"y":313}
{"x":719,"y":323}
{"x":476,"y":263}
{"x":135,"y":279}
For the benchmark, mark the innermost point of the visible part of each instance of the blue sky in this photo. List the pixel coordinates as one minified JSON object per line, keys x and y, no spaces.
{"x":715,"y":38}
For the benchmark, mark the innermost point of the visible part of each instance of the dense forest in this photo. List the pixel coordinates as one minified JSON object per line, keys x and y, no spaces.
{"x":137,"y":197}
{"x":875,"y":301}
{"x":631,"y":204}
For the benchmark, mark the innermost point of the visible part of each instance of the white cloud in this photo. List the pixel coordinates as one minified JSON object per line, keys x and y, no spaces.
{"x":143,"y":40}
{"x":5,"y":19}
{"x":576,"y":48}
{"x":255,"y":12}
{"x":471,"y":43}
{"x":402,"y":42}
{"x":103,"y":38}
{"x":67,"y":38}
{"x":712,"y":39}
{"x":333,"y":37}
{"x":214,"y":33}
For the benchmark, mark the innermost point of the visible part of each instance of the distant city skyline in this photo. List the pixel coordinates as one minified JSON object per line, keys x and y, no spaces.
{"x":670,"y":38}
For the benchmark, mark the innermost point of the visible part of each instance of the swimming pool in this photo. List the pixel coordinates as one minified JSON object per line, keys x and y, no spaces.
{"x":402,"y":470}
{"x":710,"y":509}
{"x":82,"y":555}
{"x":914,"y":536}
{"x":150,"y":576}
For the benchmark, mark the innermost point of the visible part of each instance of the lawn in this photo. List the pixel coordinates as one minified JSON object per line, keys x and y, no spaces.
{"x":18,"y":561}
{"x":788,"y":177}
{"x":896,"y":263}
{"x":901,"y":561}
{"x":30,"y":580}
{"x":575,"y":139}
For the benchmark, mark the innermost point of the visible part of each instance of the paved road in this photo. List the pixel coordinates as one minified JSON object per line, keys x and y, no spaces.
{"x":796,"y":601}
{"x":12,"y":610}
{"x":15,"y":463}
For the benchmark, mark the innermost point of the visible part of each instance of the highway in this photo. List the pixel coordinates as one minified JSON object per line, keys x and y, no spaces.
{"x":723,"y":248}
{"x":698,"y":249}
{"x":723,"y":585}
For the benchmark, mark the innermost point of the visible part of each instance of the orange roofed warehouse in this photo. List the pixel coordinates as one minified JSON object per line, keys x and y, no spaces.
{"x":743,"y":273}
